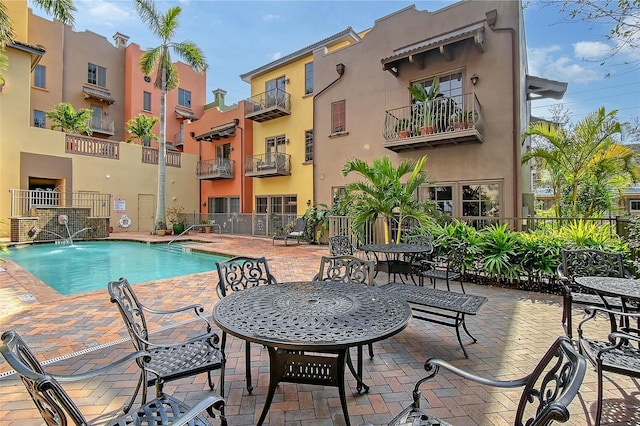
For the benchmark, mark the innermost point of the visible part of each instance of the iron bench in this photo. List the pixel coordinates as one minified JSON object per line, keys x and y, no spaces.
{"x":439,"y":306}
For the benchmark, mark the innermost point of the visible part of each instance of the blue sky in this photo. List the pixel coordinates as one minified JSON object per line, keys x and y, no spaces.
{"x":557,"y":48}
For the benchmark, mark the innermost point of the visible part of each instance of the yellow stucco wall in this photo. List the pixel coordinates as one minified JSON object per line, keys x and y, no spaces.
{"x":300,"y":183}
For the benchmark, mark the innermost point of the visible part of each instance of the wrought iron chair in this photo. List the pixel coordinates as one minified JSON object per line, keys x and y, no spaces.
{"x":417,"y":260}
{"x":349,"y":270}
{"x":240,"y":273}
{"x":340,"y":245}
{"x":547,"y":391}
{"x":617,"y":354}
{"x":296,"y":234}
{"x":168,"y":362}
{"x":582,"y":263}
{"x":449,"y":268}
{"x":57,"y":408}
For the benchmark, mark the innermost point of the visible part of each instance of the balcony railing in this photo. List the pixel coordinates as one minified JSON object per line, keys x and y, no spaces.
{"x":268,"y":165}
{"x":24,"y":200}
{"x":94,"y":147}
{"x":102,"y":127}
{"x":179,"y":139}
{"x":150,"y":156}
{"x":267,"y":106}
{"x":219,"y":168}
{"x":444,"y":120}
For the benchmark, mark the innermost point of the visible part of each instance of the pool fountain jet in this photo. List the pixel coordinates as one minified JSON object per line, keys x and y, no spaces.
{"x":63,"y":219}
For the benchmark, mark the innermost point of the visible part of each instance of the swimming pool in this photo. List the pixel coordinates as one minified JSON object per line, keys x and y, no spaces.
{"x":85,"y":266}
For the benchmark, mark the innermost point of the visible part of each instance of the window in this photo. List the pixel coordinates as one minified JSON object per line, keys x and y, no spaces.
{"x":337,"y":192}
{"x":276,"y":94}
{"x":276,"y":144}
{"x":96,"y":118}
{"x":481,"y":200}
{"x":442,"y":196}
{"x":223,"y":151}
{"x":338,"y":117}
{"x":40,"y":77}
{"x":146,"y":101}
{"x":38,"y":118}
{"x":634,"y":205}
{"x":224,"y":205}
{"x":308,"y":145}
{"x":277,"y":204}
{"x":308,"y":78}
{"x":97,"y":75}
{"x":184,"y":98}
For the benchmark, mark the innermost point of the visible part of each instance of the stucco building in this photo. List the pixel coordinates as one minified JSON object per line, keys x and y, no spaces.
{"x":476,"y":52}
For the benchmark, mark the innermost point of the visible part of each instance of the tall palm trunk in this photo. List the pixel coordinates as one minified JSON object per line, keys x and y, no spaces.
{"x":162,"y":151}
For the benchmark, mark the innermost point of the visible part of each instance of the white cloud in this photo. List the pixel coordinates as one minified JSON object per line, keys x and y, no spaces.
{"x":270,"y":17}
{"x":591,"y":50}
{"x":106,"y":12}
{"x":549,"y":63}
{"x":276,"y":56}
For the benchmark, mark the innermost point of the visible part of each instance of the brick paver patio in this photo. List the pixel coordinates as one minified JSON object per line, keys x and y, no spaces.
{"x":514,"y":328}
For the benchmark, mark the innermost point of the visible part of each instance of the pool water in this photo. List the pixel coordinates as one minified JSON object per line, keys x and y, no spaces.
{"x":86,"y":266}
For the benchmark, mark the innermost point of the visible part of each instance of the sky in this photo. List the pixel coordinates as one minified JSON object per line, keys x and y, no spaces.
{"x":557,"y":48}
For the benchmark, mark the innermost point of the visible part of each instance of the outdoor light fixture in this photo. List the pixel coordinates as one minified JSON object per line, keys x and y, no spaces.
{"x":308,"y":203}
{"x":204,"y":204}
{"x":474,"y":79}
{"x":340,"y":68}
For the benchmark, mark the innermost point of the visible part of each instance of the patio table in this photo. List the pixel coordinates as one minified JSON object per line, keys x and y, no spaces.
{"x":627,"y":289}
{"x":308,"y":328}
{"x":393,"y":262}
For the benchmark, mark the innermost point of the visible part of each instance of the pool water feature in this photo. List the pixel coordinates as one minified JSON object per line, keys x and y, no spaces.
{"x":90,"y":265}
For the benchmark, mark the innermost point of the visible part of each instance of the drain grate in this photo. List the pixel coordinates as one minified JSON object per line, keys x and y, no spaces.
{"x":27,"y":297}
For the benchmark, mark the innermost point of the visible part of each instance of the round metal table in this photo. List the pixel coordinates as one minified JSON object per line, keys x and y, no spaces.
{"x":308,"y":328}
{"x":392,"y":264}
{"x":625,"y":288}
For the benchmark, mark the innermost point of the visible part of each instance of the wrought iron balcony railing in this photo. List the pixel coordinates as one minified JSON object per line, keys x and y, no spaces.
{"x":269,"y":164}
{"x":102,"y":127}
{"x":218,"y":168}
{"x":268,"y":105}
{"x":440,"y":121}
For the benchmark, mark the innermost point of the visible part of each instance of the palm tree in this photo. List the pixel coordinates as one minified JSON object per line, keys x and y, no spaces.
{"x":67,"y":119}
{"x":140,"y":128}
{"x":382,"y":192}
{"x":583,"y":160}
{"x":159,"y":59}
{"x":61,"y":10}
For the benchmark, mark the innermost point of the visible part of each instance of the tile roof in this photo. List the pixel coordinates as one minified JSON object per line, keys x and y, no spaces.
{"x":100,"y":95}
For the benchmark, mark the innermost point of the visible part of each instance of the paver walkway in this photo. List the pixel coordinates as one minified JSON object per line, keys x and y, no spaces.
{"x":514,"y":328}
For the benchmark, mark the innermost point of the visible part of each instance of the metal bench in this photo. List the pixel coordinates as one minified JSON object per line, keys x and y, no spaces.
{"x":439,"y":306}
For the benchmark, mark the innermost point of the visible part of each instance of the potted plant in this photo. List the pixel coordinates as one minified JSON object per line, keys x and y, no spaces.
{"x":423,"y":108}
{"x":402,"y":128}
{"x":207,"y":228}
{"x":161,"y":229}
{"x":177,"y":217}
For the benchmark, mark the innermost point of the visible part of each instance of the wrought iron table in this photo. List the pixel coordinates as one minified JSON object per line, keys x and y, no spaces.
{"x":625,"y":288}
{"x":392,"y":263}
{"x":308,"y":328}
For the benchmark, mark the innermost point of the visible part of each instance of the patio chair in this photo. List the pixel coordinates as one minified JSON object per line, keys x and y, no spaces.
{"x":582,"y":263}
{"x":240,"y":273}
{"x":417,"y":260}
{"x":449,"y":268}
{"x":616,"y":354}
{"x":57,"y":408}
{"x":340,"y":245}
{"x":349,"y":270}
{"x":547,"y":391}
{"x":199,"y":354}
{"x":296,"y":234}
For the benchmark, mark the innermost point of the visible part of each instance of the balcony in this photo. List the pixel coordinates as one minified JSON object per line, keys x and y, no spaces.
{"x":268,"y":165}
{"x":267,"y":106}
{"x":150,"y":156}
{"x":179,"y":138}
{"x":219,"y":168}
{"x":102,"y":127}
{"x":441,"y":121}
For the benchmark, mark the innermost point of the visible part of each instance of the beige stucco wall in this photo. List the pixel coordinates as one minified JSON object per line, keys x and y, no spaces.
{"x":369,"y":92}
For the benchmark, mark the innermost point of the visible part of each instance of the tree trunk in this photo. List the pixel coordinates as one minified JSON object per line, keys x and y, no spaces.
{"x":162,"y":150}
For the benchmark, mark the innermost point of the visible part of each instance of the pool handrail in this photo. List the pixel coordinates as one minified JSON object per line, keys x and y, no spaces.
{"x":197,"y":226}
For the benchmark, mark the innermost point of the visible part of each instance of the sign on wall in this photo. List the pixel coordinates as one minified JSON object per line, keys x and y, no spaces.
{"x":119,"y":205}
